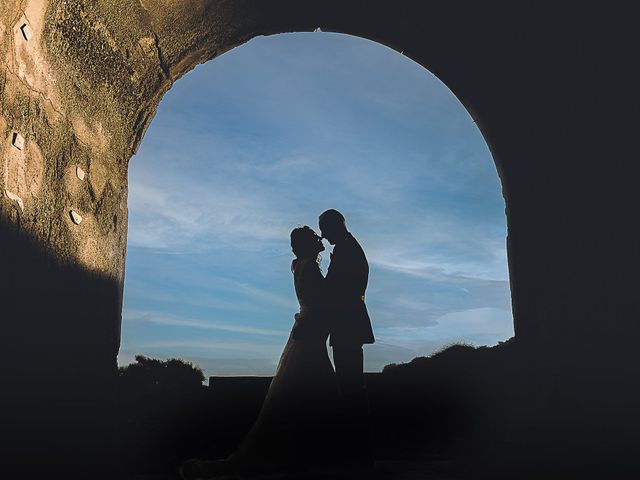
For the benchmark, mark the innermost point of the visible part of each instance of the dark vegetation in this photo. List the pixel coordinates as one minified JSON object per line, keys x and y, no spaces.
{"x":160,"y":406}
{"x":160,"y":374}
{"x":453,"y":406}
{"x":167,"y":415}
{"x":463,"y":412}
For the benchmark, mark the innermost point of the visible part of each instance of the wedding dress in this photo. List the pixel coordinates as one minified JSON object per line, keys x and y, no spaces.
{"x":294,"y":425}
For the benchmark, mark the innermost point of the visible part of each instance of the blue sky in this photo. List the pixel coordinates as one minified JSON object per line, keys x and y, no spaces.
{"x":266,"y":137}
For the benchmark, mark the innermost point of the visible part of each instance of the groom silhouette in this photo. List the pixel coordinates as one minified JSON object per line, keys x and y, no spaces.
{"x":349,"y":329}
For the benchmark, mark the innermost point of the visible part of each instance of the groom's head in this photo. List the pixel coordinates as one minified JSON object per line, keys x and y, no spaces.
{"x":332,"y":226}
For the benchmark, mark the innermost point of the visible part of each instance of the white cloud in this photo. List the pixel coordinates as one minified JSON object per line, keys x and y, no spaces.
{"x":187,"y":214}
{"x":480,"y":326}
{"x":223,"y":348}
{"x":160,"y":318}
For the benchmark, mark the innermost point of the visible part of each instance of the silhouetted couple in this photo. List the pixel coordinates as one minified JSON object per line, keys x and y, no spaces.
{"x":312,"y":415}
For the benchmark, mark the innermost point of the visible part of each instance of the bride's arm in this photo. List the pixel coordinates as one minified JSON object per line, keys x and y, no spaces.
{"x":312,"y":283}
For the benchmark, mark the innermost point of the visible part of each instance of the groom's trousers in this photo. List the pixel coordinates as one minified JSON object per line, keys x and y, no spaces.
{"x":355,"y":428}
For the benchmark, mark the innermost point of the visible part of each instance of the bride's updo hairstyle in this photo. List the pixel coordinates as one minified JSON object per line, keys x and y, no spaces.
{"x":304,"y":242}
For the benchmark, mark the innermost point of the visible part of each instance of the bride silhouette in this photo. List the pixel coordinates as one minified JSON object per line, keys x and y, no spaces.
{"x":294,"y":425}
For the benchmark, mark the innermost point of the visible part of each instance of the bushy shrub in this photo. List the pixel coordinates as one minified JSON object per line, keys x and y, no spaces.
{"x":168,"y":374}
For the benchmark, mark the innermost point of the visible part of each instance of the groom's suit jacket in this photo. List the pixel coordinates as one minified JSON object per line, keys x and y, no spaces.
{"x":346,"y":282}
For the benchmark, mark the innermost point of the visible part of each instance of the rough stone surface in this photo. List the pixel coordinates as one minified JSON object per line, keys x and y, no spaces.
{"x":552,"y":86}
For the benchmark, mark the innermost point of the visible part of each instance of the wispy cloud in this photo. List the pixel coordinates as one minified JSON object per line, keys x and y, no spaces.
{"x":396,"y":344}
{"x":428,"y":270}
{"x":168,"y":320}
{"x":468,"y":325}
{"x":186,"y":215}
{"x":212,"y":347}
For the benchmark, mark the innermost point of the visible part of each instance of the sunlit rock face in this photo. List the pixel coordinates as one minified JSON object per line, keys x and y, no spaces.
{"x":551,"y":86}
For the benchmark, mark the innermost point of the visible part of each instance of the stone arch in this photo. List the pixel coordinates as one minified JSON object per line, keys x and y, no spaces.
{"x":185,"y":150}
{"x":259,"y":20}
{"x":553,"y":88}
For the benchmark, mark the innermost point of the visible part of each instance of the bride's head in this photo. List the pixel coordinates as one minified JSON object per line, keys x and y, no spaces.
{"x":305,"y":243}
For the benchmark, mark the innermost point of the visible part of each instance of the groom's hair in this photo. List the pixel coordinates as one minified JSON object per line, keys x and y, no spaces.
{"x":332,"y":216}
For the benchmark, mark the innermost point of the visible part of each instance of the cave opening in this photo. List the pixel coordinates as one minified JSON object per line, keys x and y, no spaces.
{"x":263,"y":139}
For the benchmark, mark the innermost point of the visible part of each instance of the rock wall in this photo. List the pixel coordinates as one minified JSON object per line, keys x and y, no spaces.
{"x":552,"y":85}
